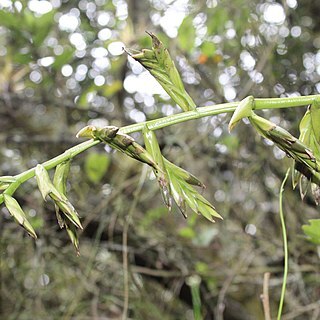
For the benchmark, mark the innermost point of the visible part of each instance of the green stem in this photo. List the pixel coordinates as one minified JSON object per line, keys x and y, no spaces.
{"x":285,"y":246}
{"x":259,"y":104}
{"x":68,"y":154}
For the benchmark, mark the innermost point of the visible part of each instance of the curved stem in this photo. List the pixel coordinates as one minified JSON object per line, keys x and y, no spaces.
{"x":259,"y":104}
{"x":285,"y":246}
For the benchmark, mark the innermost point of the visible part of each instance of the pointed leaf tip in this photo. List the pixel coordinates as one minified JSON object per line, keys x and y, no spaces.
{"x":86,"y":132}
{"x":243,"y":110}
{"x":43,"y":181}
{"x":18,"y":214}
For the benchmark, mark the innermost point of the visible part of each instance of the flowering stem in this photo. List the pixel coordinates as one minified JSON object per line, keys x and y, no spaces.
{"x":259,"y":104}
{"x":273,"y":103}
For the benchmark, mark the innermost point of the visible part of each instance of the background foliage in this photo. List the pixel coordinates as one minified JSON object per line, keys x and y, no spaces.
{"x":62,"y":67}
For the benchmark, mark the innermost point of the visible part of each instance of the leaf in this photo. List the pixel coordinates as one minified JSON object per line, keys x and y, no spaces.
{"x":187,"y":34}
{"x":310,"y":135}
{"x":208,"y":48}
{"x":312,"y":231}
{"x":42,"y":26}
{"x":96,"y":166}
{"x":61,"y":176}
{"x":111,"y":89}
{"x":60,"y":183}
{"x":63,"y":58}
{"x":152,"y":146}
{"x":22,"y":58}
{"x":7,"y":19}
{"x":244,"y":109}
{"x":216,"y":24}
{"x":44,"y":183}
{"x":187,"y":232}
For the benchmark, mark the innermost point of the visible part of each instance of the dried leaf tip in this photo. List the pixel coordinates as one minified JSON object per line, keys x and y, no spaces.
{"x":86,"y":132}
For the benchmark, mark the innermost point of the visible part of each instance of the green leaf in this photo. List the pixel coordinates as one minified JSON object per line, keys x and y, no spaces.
{"x":187,"y":233}
{"x":111,"y":89}
{"x":73,"y":236}
{"x":96,"y":166}
{"x":208,"y":48}
{"x":216,"y":24}
{"x":42,"y":26}
{"x":61,"y":176}
{"x":22,"y":58}
{"x":244,"y":109}
{"x":60,"y":183}
{"x":312,"y":231}
{"x":63,"y":58}
{"x":7,"y":19}
{"x":187,"y":34}
{"x":44,"y":183}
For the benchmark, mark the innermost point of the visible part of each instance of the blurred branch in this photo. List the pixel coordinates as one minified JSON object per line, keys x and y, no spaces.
{"x":126,"y":226}
{"x":303,"y":309}
{"x":265,"y":296}
{"x":265,"y":58}
{"x":244,"y":261}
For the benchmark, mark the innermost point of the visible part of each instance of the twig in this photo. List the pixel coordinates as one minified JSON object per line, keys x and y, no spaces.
{"x":246,"y":259}
{"x":265,"y":296}
{"x":303,"y":309}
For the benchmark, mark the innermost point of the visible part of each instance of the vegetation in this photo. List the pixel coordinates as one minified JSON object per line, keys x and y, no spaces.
{"x":139,"y":259}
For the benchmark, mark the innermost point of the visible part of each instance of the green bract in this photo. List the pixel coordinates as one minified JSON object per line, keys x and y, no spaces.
{"x":176,"y":182}
{"x":119,"y":141}
{"x":243,"y":110}
{"x":310,"y":136}
{"x":18,"y":214}
{"x":305,"y":151}
{"x":60,"y":183}
{"x":153,"y":148}
{"x":47,"y":188}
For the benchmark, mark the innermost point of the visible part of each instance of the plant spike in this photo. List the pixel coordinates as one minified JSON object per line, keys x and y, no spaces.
{"x":310,"y":136}
{"x":152,"y":146}
{"x":47,"y":188}
{"x":164,"y":59}
{"x":292,"y":146}
{"x":306,"y":156}
{"x":119,"y":141}
{"x":184,"y":174}
{"x":183,"y":192}
{"x":60,"y":182}
{"x":243,"y":110}
{"x":18,"y":214}
{"x":174,"y":182}
{"x":161,"y":66}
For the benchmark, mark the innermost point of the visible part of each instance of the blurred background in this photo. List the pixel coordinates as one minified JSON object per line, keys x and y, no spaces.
{"x":62,"y":66}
